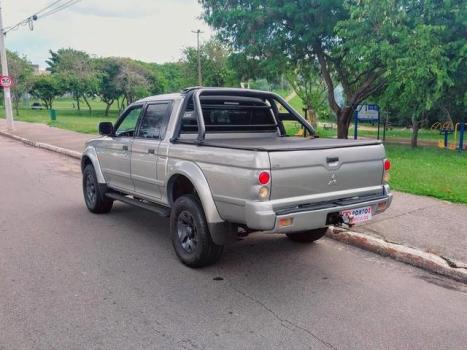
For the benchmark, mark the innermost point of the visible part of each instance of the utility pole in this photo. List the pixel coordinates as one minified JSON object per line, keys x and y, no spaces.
{"x":200,"y":79}
{"x":6,"y":90}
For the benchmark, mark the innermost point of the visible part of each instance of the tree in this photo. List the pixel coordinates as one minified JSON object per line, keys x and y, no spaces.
{"x":46,"y":88}
{"x":173,"y":75}
{"x":353,"y":43}
{"x":305,"y":81}
{"x":214,"y":66}
{"x":77,"y":72}
{"x":20,"y":69}
{"x":427,"y":73}
{"x":108,"y":89}
{"x":132,"y":80}
{"x":290,"y":31}
{"x":417,"y":80}
{"x":450,"y":16}
{"x":244,"y":68}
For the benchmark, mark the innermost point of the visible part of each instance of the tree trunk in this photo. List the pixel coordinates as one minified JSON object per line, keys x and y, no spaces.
{"x":415,"y":127}
{"x":77,"y":104}
{"x":344,"y":118}
{"x":87,"y":103}
{"x":16,"y":103}
{"x":108,"y":107}
{"x":312,"y":117}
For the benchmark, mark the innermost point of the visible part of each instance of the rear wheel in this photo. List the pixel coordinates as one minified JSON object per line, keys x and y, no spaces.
{"x":94,"y":195}
{"x":190,"y":234}
{"x":307,"y":236}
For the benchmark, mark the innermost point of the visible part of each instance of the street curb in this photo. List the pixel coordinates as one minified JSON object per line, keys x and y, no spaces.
{"x":64,"y":151}
{"x":426,"y":261}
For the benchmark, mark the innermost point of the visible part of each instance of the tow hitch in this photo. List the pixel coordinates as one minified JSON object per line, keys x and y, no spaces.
{"x":336,"y":219}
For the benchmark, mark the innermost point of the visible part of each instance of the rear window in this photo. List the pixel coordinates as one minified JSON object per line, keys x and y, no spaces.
{"x":231,"y":116}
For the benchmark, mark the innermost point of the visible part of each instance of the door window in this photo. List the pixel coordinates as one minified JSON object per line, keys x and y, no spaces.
{"x":154,"y":121}
{"x":127,"y":125}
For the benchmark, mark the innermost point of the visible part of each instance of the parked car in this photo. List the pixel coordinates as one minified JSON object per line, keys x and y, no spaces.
{"x":218,"y":161}
{"x":36,"y":105}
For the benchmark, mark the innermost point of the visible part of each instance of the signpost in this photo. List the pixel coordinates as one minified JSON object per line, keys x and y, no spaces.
{"x":366,"y":113}
{"x":6,"y":81}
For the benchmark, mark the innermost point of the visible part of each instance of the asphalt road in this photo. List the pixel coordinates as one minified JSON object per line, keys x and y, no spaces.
{"x":73,"y":280}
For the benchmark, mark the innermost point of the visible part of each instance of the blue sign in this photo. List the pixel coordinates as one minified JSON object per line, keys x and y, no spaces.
{"x":368,"y":112}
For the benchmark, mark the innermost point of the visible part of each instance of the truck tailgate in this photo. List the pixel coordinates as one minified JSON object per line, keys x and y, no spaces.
{"x":318,"y":171}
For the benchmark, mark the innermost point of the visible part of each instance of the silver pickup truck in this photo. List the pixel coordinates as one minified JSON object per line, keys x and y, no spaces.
{"x":220,"y":162}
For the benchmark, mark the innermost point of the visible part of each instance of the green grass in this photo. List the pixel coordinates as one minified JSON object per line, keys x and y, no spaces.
{"x":297,"y":104}
{"x":429,"y":171}
{"x":69,"y":118}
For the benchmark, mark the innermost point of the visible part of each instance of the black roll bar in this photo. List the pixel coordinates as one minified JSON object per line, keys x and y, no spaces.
{"x":197,"y":92}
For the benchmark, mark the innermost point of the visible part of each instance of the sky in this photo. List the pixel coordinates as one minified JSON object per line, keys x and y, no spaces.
{"x":148,"y":30}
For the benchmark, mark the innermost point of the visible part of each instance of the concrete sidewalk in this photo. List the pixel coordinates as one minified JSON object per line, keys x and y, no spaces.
{"x":53,"y":136}
{"x":425,"y":223}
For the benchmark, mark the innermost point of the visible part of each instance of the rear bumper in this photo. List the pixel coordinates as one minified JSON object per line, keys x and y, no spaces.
{"x":314,"y":214}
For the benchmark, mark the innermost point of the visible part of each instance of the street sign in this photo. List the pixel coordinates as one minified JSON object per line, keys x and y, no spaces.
{"x":368,"y":112}
{"x":6,"y":81}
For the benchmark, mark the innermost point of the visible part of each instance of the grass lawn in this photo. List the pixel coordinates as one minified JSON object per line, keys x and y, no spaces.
{"x":68,"y":117}
{"x":429,"y":171}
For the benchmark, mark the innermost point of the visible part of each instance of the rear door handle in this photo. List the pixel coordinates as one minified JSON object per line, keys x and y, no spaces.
{"x":125,"y":148}
{"x":151,"y":151}
{"x":332,"y":159}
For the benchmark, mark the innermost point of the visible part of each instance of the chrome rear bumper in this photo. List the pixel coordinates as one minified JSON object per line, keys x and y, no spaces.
{"x":308,"y":215}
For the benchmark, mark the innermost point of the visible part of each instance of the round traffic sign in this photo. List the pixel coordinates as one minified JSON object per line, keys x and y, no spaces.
{"x":6,"y":81}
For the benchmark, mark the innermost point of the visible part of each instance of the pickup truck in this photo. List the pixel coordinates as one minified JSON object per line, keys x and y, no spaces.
{"x":222,"y":162}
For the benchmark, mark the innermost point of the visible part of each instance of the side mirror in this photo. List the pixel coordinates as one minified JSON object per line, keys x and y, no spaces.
{"x":106,"y":128}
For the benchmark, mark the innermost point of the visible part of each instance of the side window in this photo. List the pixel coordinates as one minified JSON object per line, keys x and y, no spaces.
{"x":154,"y":121}
{"x":127,"y":126}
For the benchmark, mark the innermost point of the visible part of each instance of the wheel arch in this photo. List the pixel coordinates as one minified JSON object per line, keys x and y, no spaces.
{"x":90,"y":157}
{"x":183,"y":171}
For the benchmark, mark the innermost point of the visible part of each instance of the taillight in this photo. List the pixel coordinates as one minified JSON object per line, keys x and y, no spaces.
{"x":264,"y":178}
{"x":387,"y":165}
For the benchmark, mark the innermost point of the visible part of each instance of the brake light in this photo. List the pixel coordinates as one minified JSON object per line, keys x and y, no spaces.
{"x":264,"y":178}
{"x":387,"y":165}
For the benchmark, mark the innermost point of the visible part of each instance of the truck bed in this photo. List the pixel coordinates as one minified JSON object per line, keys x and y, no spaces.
{"x":274,"y":144}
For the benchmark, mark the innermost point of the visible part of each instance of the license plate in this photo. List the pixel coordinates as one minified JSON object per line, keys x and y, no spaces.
{"x":357,"y":215}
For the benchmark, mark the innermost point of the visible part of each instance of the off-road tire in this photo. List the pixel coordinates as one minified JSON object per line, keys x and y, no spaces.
{"x":307,"y":236}
{"x":190,"y":233}
{"x":94,"y":193}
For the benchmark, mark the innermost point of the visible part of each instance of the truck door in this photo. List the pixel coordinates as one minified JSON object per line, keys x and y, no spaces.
{"x":144,"y":155}
{"x":114,"y":152}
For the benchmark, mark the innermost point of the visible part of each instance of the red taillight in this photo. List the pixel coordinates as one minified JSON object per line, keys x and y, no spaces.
{"x":387,"y":165}
{"x":264,"y":177}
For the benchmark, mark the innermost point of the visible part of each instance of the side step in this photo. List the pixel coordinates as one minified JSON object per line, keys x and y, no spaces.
{"x":155,"y":208}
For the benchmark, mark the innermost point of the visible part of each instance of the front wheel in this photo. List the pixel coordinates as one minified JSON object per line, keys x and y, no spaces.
{"x":307,"y":236}
{"x":94,"y":197}
{"x":190,"y":233}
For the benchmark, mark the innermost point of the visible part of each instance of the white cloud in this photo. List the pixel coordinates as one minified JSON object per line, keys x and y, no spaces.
{"x":149,"y":30}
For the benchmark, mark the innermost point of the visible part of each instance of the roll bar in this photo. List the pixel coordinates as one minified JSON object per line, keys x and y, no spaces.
{"x":197,"y":92}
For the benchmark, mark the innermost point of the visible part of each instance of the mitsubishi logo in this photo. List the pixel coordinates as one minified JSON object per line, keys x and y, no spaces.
{"x":332,"y":180}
